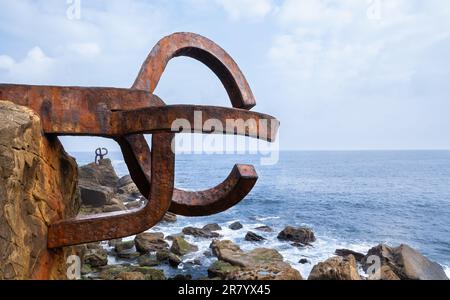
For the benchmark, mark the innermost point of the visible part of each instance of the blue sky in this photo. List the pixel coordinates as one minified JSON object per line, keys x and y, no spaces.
{"x":347,"y":74}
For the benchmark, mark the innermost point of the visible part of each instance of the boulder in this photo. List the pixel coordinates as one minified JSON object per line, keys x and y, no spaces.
{"x":113,"y":208}
{"x":148,"y":261}
{"x":181,"y":247}
{"x":173,"y":259}
{"x":301,"y":235}
{"x":236,"y":226}
{"x":173,"y":236}
{"x":253,"y":237}
{"x":346,"y":252}
{"x":114,"y":272}
{"x":133,"y":205}
{"x":198,"y":232}
{"x":221,"y":269}
{"x":264,"y":229}
{"x":93,"y":194}
{"x":38,"y":186}
{"x":170,"y":217}
{"x":405,"y":263}
{"x":102,"y":174}
{"x":212,"y":227}
{"x":150,"y":242}
{"x":130,"y":190}
{"x":95,"y":257}
{"x":125,"y":180}
{"x":304,"y":261}
{"x":131,"y":276}
{"x":129,"y":254}
{"x":336,"y":268}
{"x":258,"y":264}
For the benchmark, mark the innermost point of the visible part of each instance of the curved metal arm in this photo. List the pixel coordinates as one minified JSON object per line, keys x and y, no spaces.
{"x":116,"y":225}
{"x":204,"y":50}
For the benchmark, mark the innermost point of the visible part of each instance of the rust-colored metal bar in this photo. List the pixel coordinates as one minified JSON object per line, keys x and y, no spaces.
{"x":116,"y":225}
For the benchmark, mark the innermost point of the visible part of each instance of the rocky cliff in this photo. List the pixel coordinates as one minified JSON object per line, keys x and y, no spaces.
{"x":38,"y":185}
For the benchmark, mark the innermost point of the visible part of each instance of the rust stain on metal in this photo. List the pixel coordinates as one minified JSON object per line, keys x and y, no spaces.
{"x":126,"y":114}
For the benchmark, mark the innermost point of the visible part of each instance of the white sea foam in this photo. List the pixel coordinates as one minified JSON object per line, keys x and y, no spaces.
{"x":447,"y":271}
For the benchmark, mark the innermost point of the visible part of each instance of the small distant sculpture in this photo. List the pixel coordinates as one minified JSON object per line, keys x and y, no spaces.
{"x":100,"y":154}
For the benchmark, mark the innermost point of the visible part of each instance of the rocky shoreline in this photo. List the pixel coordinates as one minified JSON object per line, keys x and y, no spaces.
{"x":143,"y":257}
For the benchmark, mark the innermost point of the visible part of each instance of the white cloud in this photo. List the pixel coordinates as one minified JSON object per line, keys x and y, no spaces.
{"x":85,"y":49}
{"x":247,"y":9}
{"x":36,"y":65}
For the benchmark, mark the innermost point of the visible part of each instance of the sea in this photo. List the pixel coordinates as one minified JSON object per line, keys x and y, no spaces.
{"x":351,"y":199}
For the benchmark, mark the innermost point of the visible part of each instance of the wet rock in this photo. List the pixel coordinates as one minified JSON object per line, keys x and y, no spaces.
{"x":336,"y":268}
{"x":181,"y":247}
{"x":346,"y":252}
{"x":150,"y":273}
{"x":258,"y":264}
{"x":301,"y":235}
{"x":102,"y":174}
{"x":253,"y":237}
{"x":197,"y":232}
{"x":86,"y":269}
{"x":130,"y":190}
{"x":304,"y":261}
{"x":208,"y":253}
{"x":173,"y":236}
{"x":301,"y":245}
{"x":131,"y":276}
{"x":403,"y":262}
{"x":150,"y":242}
{"x":114,"y":208}
{"x":221,"y":269}
{"x":114,"y":272}
{"x":236,"y":226}
{"x":129,"y":254}
{"x":170,"y":217}
{"x":93,"y":194}
{"x":95,"y":257}
{"x":127,"y":199}
{"x":114,"y":242}
{"x":125,"y":180}
{"x":133,"y":205}
{"x":148,"y":261}
{"x":264,"y":229}
{"x":212,"y":227}
{"x":167,"y":256}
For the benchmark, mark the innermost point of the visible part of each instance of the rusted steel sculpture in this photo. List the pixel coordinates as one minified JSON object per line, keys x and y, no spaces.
{"x":100,"y":154}
{"x":125,"y":115}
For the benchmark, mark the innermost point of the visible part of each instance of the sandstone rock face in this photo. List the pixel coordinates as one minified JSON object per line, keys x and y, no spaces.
{"x":404,"y":263}
{"x":259,"y":264}
{"x":336,"y":268}
{"x":38,"y":186}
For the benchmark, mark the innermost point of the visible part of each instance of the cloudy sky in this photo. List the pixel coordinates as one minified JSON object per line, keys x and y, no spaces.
{"x":347,"y":74}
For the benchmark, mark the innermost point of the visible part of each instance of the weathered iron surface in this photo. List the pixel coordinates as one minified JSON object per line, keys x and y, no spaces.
{"x":126,"y":114}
